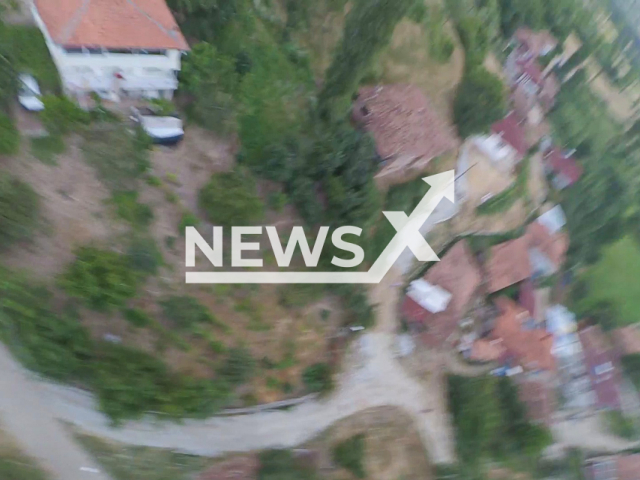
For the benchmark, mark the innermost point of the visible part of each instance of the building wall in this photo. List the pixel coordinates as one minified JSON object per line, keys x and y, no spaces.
{"x":142,"y":73}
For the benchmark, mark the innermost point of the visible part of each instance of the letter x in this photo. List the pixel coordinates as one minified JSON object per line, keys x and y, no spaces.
{"x":408,"y":229}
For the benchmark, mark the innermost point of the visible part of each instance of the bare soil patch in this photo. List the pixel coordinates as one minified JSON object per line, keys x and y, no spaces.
{"x":393,"y":446}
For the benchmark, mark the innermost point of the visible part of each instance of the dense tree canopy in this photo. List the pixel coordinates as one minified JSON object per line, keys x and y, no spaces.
{"x":480,"y":101}
{"x":368,"y":28}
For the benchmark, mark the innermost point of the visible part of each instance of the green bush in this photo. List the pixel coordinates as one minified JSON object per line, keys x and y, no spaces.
{"x":47,"y":148}
{"x":102,"y":279}
{"x":238,"y":367}
{"x":318,"y":377}
{"x":230,"y":199}
{"x":54,"y":345}
{"x":19,"y":206}
{"x":283,"y":465}
{"x":119,"y":157}
{"x":144,"y":255}
{"x":128,"y":208}
{"x":30,"y":54}
{"x":61,"y":115}
{"x":136,"y":317}
{"x":349,"y":454}
{"x":19,"y":468}
{"x":480,"y":101}
{"x":185,"y":311}
{"x":188,"y":219}
{"x":620,"y":425}
{"x":9,"y":136}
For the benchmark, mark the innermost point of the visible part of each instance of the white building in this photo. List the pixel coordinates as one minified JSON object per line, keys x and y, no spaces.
{"x":116,"y":48}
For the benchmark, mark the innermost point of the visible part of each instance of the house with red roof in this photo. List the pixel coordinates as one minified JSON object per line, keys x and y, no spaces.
{"x":116,"y":48}
{"x":602,"y":367}
{"x":511,"y":133}
{"x":408,"y":132}
{"x":452,"y":283}
{"x":563,"y":168}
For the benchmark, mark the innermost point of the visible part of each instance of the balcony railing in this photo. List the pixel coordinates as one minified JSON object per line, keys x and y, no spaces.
{"x":90,"y":82}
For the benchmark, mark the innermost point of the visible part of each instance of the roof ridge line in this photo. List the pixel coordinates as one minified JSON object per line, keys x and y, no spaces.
{"x":71,"y":26}
{"x":170,"y":33}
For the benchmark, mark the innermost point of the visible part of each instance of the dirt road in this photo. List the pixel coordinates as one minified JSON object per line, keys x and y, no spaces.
{"x":26,"y":415}
{"x":372,"y":378}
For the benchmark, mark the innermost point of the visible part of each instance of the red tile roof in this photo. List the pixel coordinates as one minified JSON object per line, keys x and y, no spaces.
{"x":563,"y":164}
{"x":402,"y":122}
{"x":598,"y":354}
{"x":147,"y":24}
{"x":533,"y":71}
{"x":458,"y":273}
{"x":527,"y":297}
{"x":508,"y":264}
{"x":511,"y":132}
{"x":629,"y":467}
{"x":532,"y":348}
{"x":553,"y":245}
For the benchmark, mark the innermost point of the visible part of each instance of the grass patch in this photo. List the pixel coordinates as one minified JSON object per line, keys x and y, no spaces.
{"x":141,"y":463}
{"x":614,"y":279}
{"x":31,"y":55}
{"x":504,"y":200}
{"x":47,"y":148}
{"x":620,"y":425}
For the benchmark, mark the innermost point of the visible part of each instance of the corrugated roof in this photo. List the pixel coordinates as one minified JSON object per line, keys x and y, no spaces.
{"x":145,"y":24}
{"x":402,"y":122}
{"x":508,"y":264}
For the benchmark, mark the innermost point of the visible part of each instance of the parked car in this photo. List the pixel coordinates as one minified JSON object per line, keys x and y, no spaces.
{"x":29,"y":93}
{"x":163,"y":129}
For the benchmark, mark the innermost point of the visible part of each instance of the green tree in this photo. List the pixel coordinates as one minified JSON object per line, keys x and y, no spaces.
{"x":61,"y":115}
{"x":317,"y":377}
{"x":209,"y":80}
{"x":368,"y":28}
{"x":19,"y":205}
{"x":9,"y":136}
{"x":230,"y":199}
{"x":100,"y":278}
{"x":480,"y":101}
{"x":283,"y":465}
{"x":474,"y":38}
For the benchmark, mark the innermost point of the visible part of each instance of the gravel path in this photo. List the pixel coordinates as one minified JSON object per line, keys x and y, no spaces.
{"x":26,"y":415}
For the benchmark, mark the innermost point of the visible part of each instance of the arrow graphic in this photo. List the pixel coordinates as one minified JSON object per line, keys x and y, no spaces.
{"x":407,"y":236}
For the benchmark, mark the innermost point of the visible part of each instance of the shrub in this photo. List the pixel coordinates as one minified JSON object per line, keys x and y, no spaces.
{"x":238,"y":367}
{"x":19,"y":206}
{"x":230,"y":199}
{"x":317,"y":377}
{"x":119,"y":157}
{"x":61,"y":115}
{"x":349,"y":454}
{"x":283,"y":465}
{"x":47,"y":148}
{"x":188,"y":219}
{"x":143,"y":255}
{"x":53,"y":345}
{"x":480,"y":101}
{"x":137,"y":317}
{"x":185,"y":311}
{"x":9,"y":136}
{"x":102,"y":279}
{"x":130,"y":210}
